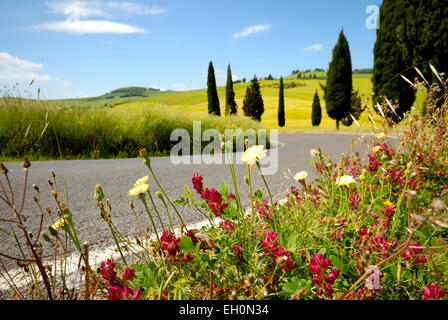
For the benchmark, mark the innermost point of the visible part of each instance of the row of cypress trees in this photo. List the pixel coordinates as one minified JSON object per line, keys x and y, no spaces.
{"x":253,"y":105}
{"x":343,"y":103}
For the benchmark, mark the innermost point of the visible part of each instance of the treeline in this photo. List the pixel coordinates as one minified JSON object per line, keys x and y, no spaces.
{"x":133,"y":90}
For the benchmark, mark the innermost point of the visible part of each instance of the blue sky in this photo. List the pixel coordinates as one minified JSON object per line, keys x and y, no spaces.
{"x":87,"y":48}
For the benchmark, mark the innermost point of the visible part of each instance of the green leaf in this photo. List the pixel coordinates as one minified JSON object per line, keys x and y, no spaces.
{"x":322,"y":251}
{"x":224,"y":189}
{"x":258,"y":195}
{"x":186,"y":244}
{"x":336,"y":262}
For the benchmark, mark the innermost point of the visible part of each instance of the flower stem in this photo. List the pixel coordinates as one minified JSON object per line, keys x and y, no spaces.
{"x":143,"y":199}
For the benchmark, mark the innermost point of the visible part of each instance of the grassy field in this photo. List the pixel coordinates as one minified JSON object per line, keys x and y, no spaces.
{"x":298,"y":103}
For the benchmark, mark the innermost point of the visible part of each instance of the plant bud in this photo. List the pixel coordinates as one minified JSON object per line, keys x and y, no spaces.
{"x":159,"y":195}
{"x":26,"y":164}
{"x":35,"y":187}
{"x":3,"y":169}
{"x":131,"y":204}
{"x":246,"y":180}
{"x":143,"y":153}
{"x":99,"y":195}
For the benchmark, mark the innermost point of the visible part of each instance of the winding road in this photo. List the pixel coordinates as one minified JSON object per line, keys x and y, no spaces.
{"x":118,"y":176}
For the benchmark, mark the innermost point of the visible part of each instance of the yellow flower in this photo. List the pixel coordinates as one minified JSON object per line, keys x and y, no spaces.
{"x":345,"y":180}
{"x":138,"y":190}
{"x":376,"y":149}
{"x":58,"y":224}
{"x":314,"y":153}
{"x":388,"y":203}
{"x":381,"y":135}
{"x":140,"y":187}
{"x":141,"y":181}
{"x":301,"y":175}
{"x":253,"y":154}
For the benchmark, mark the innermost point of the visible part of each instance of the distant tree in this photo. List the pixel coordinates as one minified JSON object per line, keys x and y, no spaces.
{"x":243,"y":80}
{"x":316,"y":111}
{"x":299,"y":76}
{"x":212,"y":92}
{"x":270,"y":77}
{"x":253,"y":105}
{"x":281,"y":105}
{"x":339,"y":85}
{"x":355,"y":110}
{"x":230,"y":94}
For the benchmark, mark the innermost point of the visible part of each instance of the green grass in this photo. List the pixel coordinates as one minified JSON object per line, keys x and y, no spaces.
{"x":44,"y":131}
{"x":298,"y":103}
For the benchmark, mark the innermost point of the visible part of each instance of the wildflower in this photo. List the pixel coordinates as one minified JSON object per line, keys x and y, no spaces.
{"x":345,"y":180}
{"x":412,"y":255}
{"x":227,"y":226}
{"x":197,"y":183}
{"x":337,"y":234}
{"x":118,"y":293}
{"x":374,"y":164}
{"x":388,"y":203}
{"x":354,"y":201}
{"x":58,"y":224}
{"x":253,"y":154}
{"x":433,"y":292}
{"x":301,"y":175}
{"x":140,"y":187}
{"x":128,"y":274}
{"x":270,"y":243}
{"x":324,"y":281}
{"x":314,"y":153}
{"x":141,"y":181}
{"x":238,"y":252}
{"x":284,"y":260}
{"x":170,"y":243}
{"x":214,"y":201}
{"x":381,"y":135}
{"x":188,"y":257}
{"x":376,"y":149}
{"x":109,"y":273}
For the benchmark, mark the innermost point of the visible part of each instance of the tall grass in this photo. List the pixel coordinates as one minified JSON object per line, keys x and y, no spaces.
{"x":41,"y":130}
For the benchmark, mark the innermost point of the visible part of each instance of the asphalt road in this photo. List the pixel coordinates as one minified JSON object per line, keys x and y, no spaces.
{"x":118,"y":176}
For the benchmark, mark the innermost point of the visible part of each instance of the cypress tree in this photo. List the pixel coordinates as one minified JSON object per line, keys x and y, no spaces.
{"x":388,"y":59}
{"x":316,"y":111}
{"x":230,"y":94}
{"x":339,"y":81}
{"x":253,"y":105}
{"x":281,"y":105}
{"x":356,"y":109}
{"x":212,"y":93}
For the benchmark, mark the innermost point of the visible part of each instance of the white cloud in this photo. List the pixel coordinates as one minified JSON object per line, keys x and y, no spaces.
{"x":136,"y":8}
{"x":16,"y":69}
{"x":78,"y":12}
{"x":251,"y":30}
{"x":314,"y":48}
{"x":182,"y":87}
{"x":90,"y":27}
